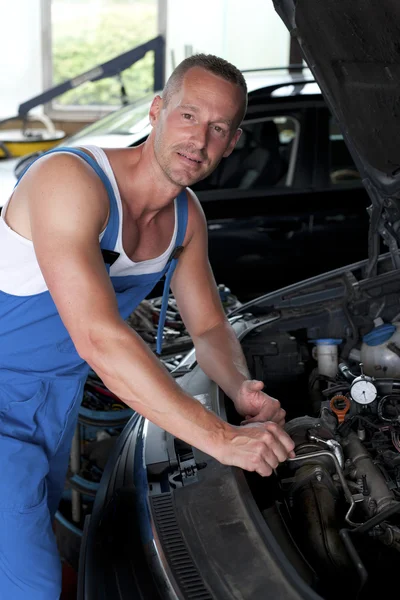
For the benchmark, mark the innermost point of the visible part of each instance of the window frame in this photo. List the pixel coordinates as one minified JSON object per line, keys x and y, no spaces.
{"x":84,"y":114}
{"x":295,"y":146}
{"x":290,"y":175}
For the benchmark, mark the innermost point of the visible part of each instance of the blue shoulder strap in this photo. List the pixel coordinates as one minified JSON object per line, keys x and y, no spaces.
{"x":172,"y":262}
{"x":111,"y":233}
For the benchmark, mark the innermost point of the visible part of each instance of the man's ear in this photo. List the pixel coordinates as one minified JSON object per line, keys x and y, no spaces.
{"x":155,"y":110}
{"x":233,"y":143}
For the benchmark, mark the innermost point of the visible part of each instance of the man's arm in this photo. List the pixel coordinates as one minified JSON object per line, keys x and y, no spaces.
{"x":67,"y":207}
{"x":218,"y":350}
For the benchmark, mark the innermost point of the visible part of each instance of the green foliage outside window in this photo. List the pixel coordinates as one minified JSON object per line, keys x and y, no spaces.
{"x":87,"y":33}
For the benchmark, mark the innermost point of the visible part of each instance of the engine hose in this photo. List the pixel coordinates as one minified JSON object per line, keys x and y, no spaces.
{"x":354,"y":556}
{"x":377,"y":519}
{"x":344,"y":428}
{"x":354,"y":338}
{"x":364,"y":528}
{"x":395,"y":383}
{"x":381,"y":404}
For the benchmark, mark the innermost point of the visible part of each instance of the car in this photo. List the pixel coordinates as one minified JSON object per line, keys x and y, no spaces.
{"x":169,"y":521}
{"x":287,"y":204}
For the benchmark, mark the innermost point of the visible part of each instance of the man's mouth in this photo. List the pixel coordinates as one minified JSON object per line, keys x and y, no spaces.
{"x":191,"y":158}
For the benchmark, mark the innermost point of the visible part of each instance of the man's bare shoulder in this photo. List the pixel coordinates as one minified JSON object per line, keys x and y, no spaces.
{"x":61,"y":183}
{"x":193,"y":199}
{"x":196,"y":216}
{"x":59,"y":167}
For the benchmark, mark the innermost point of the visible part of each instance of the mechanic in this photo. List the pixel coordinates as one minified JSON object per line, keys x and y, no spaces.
{"x":84,"y":238}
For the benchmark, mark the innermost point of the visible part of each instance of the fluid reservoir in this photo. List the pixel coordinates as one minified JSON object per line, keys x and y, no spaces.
{"x":380,"y":350}
{"x":326,"y":354}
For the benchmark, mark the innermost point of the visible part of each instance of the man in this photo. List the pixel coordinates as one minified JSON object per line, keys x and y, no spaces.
{"x":63,"y":311}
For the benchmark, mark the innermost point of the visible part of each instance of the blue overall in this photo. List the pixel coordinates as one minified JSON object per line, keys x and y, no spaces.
{"x":41,"y":386}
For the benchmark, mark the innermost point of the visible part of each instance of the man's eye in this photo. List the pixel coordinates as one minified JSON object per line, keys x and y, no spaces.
{"x":187,"y":116}
{"x":219,"y":129}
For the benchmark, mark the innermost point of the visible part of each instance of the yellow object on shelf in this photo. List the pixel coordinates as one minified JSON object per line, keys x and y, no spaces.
{"x":27,"y":138}
{"x":15,"y":142}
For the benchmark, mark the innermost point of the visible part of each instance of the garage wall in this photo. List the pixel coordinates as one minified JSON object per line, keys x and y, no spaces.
{"x":249,"y":34}
{"x":21,"y":55}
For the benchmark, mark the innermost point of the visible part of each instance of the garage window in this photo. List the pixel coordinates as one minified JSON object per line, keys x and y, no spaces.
{"x":82,"y":34}
{"x":263,"y":157}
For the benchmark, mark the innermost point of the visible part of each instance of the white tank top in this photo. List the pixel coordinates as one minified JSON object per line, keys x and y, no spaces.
{"x":20,"y":274}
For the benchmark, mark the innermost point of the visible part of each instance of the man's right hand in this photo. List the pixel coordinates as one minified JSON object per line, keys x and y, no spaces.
{"x":256,"y":447}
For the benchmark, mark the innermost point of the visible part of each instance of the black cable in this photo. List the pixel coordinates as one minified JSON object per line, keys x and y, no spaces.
{"x":352,"y":552}
{"x":354,"y":338}
{"x":339,"y":387}
{"x":373,"y":239}
{"x":377,"y":519}
{"x":364,"y":528}
{"x":381,"y":404}
{"x":368,"y":422}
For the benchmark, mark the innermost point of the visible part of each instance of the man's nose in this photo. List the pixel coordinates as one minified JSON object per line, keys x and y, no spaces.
{"x":199,"y":135}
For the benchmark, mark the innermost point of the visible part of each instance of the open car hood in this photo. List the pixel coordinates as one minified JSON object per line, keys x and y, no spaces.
{"x":353,"y":49}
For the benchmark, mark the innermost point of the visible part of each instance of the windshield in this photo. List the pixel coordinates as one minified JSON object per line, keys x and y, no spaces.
{"x":131,"y":120}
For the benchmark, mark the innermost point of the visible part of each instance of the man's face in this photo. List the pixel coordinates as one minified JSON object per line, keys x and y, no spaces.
{"x":197,"y":128}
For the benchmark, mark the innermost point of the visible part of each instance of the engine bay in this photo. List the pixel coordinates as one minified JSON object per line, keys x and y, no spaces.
{"x":335,"y":367}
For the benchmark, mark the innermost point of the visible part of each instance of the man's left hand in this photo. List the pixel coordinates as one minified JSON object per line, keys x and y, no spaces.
{"x":256,"y":406}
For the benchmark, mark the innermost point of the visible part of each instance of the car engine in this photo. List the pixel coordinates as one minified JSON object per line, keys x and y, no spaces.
{"x":342,"y":490}
{"x":339,"y":498}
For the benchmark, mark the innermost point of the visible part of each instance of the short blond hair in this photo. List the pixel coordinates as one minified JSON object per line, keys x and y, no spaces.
{"x":214,"y":64}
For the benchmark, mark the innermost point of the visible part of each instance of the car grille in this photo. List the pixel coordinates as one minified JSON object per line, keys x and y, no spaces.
{"x":180,"y":562}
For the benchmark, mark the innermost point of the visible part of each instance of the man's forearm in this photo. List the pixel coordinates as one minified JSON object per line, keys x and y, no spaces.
{"x":219,"y":354}
{"x":132,"y":372}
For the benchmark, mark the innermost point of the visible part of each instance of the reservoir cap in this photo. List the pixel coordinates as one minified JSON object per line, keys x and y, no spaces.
{"x":379,"y":335}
